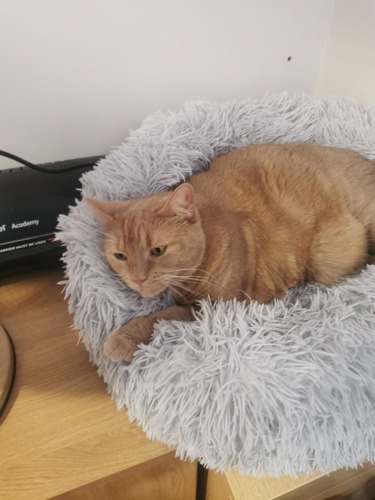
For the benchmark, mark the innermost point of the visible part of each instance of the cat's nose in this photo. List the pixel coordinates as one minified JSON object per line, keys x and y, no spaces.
{"x":139,"y":281}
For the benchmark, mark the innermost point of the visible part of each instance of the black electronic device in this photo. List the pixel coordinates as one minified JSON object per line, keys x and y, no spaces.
{"x":30,"y":203}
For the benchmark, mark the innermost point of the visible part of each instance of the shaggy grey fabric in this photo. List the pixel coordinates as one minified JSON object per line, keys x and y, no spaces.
{"x":287,"y":387}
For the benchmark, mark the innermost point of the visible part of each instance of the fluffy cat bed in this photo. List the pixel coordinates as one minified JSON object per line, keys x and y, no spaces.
{"x":287,"y":387}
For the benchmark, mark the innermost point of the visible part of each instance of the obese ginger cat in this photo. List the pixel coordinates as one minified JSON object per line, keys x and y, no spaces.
{"x":261,"y":219}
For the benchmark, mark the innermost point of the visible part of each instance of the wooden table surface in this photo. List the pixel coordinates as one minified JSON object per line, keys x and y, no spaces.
{"x":61,"y":430}
{"x":62,"y":433}
{"x":335,"y":486}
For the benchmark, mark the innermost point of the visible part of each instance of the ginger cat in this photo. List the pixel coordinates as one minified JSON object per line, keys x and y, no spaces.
{"x":261,"y":219}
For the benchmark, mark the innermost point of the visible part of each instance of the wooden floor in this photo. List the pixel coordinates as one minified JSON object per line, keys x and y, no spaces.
{"x":61,"y":433}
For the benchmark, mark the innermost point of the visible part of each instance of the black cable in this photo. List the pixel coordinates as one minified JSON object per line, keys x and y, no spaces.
{"x":13,"y":376}
{"x":38,"y":167}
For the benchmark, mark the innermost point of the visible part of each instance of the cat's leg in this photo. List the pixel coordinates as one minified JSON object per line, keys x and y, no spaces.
{"x":122,"y":343}
{"x":339,"y":248}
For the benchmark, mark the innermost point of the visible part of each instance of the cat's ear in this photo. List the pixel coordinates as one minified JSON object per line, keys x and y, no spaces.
{"x":105,"y":210}
{"x":181,"y":204}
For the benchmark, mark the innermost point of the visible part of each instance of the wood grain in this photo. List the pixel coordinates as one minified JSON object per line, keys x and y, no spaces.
{"x":253,"y":488}
{"x":340,"y":482}
{"x":233,"y":486}
{"x":61,"y":430}
{"x":162,"y":479}
{"x":218,"y":487}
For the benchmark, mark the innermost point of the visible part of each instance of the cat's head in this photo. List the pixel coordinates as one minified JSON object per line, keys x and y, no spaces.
{"x":152,"y":242}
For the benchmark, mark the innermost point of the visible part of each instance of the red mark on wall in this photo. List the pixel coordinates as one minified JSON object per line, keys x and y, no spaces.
{"x":289,"y":58}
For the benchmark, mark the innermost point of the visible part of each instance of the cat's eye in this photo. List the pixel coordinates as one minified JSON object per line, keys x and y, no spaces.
{"x":157,"y":251}
{"x":119,"y":256}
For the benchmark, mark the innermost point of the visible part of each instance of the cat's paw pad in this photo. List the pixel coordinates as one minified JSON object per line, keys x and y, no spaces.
{"x":119,"y":347}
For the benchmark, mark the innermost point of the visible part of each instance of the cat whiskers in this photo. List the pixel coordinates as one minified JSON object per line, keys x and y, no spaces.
{"x":196,"y":270}
{"x":173,"y":284}
{"x":192,"y":279}
{"x":207,"y":279}
{"x":175,"y":291}
{"x":246,"y":295}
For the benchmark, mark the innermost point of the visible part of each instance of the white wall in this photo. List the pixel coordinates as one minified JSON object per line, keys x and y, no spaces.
{"x":77,"y":75}
{"x":348,"y":67}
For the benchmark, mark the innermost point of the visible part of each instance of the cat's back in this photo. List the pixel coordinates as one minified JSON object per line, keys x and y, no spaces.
{"x":296,"y":160}
{"x":269,"y":173}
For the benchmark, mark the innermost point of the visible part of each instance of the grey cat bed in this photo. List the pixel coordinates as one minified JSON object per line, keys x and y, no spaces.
{"x":287,"y":387}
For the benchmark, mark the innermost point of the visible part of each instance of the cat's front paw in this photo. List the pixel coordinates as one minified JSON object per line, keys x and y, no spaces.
{"x":121,"y":344}
{"x":119,"y":347}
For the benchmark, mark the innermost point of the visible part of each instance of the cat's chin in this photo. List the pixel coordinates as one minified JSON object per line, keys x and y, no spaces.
{"x":149,"y":294}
